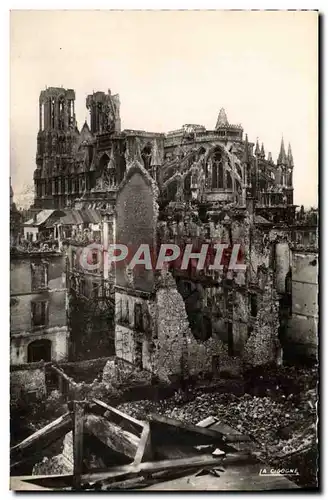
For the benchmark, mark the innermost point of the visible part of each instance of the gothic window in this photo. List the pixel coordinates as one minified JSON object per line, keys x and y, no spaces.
{"x":95,"y":289}
{"x":53,"y":112}
{"x":39,"y":350}
{"x":82,"y":287}
{"x":146,"y":156}
{"x":217,"y":166}
{"x":39,"y":313}
{"x":42,"y":117}
{"x":103,"y":162}
{"x":61,"y":114}
{"x":228,"y":180}
{"x":95,"y":257}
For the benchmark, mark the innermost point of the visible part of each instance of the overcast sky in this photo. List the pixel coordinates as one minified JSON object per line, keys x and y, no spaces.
{"x":171,"y":68}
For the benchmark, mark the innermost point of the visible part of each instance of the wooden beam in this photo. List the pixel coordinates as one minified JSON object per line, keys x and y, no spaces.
{"x":78,"y":444}
{"x":60,"y":481}
{"x":165,"y":430}
{"x":131,"y":470}
{"x":144,"y":451}
{"x":207,"y":422}
{"x":124,"y":420}
{"x":119,"y":440}
{"x":43,"y":437}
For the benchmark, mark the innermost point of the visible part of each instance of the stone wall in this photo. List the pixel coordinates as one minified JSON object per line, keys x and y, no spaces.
{"x":302,"y":330}
{"x":22,"y":295}
{"x":28,"y":382}
{"x":57,"y":336}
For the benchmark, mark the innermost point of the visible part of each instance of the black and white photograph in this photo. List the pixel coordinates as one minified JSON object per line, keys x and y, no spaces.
{"x":164,"y":250}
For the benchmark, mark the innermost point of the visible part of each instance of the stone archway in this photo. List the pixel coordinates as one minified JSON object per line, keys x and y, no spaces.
{"x":39,"y":350}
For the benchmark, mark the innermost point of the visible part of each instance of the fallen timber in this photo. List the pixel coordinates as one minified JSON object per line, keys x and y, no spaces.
{"x":155,"y":451}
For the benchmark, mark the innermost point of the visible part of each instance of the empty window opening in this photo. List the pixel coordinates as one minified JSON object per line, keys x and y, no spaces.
{"x":39,"y":313}
{"x":138,"y":355}
{"x":253,"y":304}
{"x":230,"y":340}
{"x":39,"y":274}
{"x":138,"y":323}
{"x":39,"y":350}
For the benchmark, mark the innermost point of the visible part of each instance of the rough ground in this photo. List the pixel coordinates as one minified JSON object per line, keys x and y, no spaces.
{"x":281,"y":420}
{"x":277,"y":408}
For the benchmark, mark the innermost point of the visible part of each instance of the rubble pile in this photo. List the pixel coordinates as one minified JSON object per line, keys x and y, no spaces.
{"x":269,"y":422}
{"x":281,"y":425}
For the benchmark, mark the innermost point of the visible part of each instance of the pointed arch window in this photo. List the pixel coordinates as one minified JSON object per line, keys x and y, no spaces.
{"x":146,"y":156}
{"x":53,"y":113}
{"x":61,"y":114}
{"x":228,"y":180}
{"x":217,"y":170}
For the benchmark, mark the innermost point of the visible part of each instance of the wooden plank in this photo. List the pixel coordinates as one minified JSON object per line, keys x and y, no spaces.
{"x":78,"y":444}
{"x":231,"y":435}
{"x":144,"y":451}
{"x":43,"y":437}
{"x":207,"y":422}
{"x":119,"y":440}
{"x":48,"y":481}
{"x":124,"y":420}
{"x":131,"y":470}
{"x":169,"y":429}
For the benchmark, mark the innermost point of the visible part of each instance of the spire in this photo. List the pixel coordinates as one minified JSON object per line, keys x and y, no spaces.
{"x":282,"y":159}
{"x":290,"y":156}
{"x":246,"y":152}
{"x":270,"y":157}
{"x":222,"y":120}
{"x":262,"y":153}
{"x":257,"y":148}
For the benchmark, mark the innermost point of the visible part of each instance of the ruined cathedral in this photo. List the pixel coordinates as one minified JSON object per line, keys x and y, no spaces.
{"x":190,"y":185}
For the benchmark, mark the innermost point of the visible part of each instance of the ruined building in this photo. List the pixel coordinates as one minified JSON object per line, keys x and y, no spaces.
{"x":190,"y":185}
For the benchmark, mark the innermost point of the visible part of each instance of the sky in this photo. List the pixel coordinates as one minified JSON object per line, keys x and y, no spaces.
{"x":172,"y":68}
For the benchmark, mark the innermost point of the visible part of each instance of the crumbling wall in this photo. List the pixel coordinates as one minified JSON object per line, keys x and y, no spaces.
{"x":302,"y":330}
{"x":133,"y":330}
{"x":282,"y":264}
{"x":28,"y":382}
{"x":172,"y":327}
{"x":262,"y":346}
{"x":59,"y":344}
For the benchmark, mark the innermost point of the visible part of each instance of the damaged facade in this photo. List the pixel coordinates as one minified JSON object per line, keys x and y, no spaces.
{"x":38,"y":317}
{"x":190,"y":185}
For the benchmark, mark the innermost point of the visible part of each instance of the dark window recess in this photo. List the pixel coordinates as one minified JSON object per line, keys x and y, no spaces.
{"x":288,"y":282}
{"x":95,"y":289}
{"x":138,"y":322}
{"x":39,"y":274}
{"x":74,"y":260}
{"x":82,"y":287}
{"x":52,"y":381}
{"x":138,"y":355}
{"x":39,"y":350}
{"x":215,"y":366}
{"x":39,"y":313}
{"x":230,"y":340}
{"x":253,"y":304}
{"x":249,"y":331}
{"x":94,"y":258}
{"x":207,"y":328}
